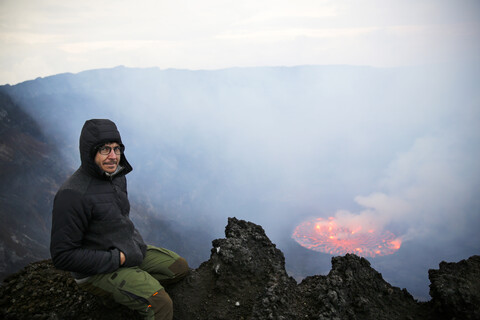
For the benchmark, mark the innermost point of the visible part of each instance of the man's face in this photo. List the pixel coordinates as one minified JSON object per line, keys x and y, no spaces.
{"x":108,"y":162}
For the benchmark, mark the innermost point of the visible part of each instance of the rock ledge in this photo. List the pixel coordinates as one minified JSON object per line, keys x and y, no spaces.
{"x":245,"y":278}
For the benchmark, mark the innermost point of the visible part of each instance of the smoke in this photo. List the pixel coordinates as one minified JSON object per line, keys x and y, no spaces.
{"x":428,"y":196}
{"x":396,"y":149}
{"x":425,"y":190}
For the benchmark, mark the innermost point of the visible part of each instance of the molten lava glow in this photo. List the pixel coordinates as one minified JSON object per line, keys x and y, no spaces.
{"x":329,"y":237}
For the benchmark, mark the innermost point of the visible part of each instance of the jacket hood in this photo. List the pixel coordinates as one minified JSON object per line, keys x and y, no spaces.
{"x":96,"y":132}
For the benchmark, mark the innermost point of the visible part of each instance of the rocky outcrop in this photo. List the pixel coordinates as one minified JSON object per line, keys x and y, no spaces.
{"x":40,"y":291}
{"x":353,"y":290}
{"x":245,"y":278}
{"x":455,"y":289}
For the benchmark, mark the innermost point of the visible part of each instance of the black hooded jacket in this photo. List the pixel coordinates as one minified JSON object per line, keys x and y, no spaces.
{"x":90,"y":221}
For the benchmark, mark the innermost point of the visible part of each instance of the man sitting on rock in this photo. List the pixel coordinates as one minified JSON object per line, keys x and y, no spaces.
{"x":94,"y":238}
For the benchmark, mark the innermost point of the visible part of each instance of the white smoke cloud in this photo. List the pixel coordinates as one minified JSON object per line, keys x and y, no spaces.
{"x":425,"y":190}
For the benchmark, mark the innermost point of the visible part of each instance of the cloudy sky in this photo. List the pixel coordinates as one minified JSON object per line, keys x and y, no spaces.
{"x":46,"y":37}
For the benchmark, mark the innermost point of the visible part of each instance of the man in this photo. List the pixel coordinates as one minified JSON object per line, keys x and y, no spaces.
{"x":94,"y":238}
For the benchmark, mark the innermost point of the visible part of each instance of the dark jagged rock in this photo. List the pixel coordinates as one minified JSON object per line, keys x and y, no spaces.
{"x":353,"y":290}
{"x":40,"y":291}
{"x":455,"y":289}
{"x":245,"y":278}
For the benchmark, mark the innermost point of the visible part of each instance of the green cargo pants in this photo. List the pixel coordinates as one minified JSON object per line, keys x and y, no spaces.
{"x":140,"y":288}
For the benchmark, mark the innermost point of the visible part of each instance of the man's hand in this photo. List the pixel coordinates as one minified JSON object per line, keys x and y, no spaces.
{"x":122,"y":258}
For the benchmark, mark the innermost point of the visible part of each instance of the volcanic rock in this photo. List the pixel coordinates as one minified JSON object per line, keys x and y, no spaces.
{"x":455,"y":289}
{"x":245,"y":278}
{"x":40,"y":291}
{"x":353,"y":290}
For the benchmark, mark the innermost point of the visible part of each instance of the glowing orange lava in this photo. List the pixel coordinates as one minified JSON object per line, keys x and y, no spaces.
{"x":329,"y":237}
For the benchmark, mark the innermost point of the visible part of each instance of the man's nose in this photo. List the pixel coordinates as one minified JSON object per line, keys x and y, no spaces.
{"x":112,"y":154}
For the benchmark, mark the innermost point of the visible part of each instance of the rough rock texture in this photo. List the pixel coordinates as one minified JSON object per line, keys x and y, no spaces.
{"x":353,"y":290}
{"x":455,"y":289}
{"x":245,"y":278}
{"x":40,"y":291}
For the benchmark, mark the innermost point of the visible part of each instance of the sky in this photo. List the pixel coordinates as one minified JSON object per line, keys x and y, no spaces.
{"x":47,"y":37}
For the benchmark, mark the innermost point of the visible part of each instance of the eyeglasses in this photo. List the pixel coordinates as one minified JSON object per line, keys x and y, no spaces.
{"x":105,"y":150}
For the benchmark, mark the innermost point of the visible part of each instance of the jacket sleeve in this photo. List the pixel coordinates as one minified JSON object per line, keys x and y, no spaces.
{"x":69,"y":223}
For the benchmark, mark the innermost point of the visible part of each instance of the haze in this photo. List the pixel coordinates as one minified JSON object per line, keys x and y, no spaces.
{"x":46,"y":37}
{"x":390,"y":140}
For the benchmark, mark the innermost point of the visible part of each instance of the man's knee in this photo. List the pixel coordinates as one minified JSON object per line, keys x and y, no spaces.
{"x":161,"y":305}
{"x":180,"y":268}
